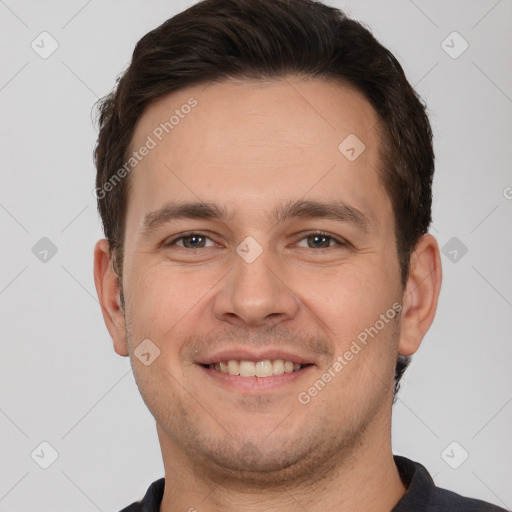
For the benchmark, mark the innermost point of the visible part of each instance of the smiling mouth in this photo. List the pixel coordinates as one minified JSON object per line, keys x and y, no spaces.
{"x":265,"y":368}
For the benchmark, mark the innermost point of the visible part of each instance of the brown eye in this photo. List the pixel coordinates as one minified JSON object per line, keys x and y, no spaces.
{"x":193,"y":241}
{"x":321,"y":241}
{"x":190,"y":241}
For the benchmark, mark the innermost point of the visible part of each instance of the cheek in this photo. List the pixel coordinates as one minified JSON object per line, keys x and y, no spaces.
{"x":346,"y":297}
{"x":349,"y":305}
{"x":164,"y":298}
{"x":350,"y":296}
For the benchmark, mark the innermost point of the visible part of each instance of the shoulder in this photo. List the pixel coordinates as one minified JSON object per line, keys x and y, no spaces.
{"x":423,"y":495}
{"x":134,"y":507}
{"x":442,"y":498}
{"x":152,"y":499}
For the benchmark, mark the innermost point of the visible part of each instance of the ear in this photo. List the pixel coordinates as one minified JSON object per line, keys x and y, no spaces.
{"x":421,"y":294}
{"x":107,"y":288}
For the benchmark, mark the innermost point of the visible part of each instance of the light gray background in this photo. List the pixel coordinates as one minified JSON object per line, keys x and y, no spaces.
{"x":60,"y":380}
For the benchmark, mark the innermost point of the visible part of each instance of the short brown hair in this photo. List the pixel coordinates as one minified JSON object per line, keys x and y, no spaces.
{"x":215,"y":40}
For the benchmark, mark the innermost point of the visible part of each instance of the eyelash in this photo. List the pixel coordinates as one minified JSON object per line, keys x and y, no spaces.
{"x":339,"y":242}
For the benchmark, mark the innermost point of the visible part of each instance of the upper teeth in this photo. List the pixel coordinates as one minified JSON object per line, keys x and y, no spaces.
{"x":265,"y":368}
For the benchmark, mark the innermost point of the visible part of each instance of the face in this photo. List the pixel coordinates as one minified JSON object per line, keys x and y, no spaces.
{"x":292,"y":262}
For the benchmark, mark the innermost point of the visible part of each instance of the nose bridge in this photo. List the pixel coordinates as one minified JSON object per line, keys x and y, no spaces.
{"x":254,"y":292}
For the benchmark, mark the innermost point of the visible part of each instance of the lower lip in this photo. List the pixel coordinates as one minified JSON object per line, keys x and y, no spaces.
{"x":255,"y":384}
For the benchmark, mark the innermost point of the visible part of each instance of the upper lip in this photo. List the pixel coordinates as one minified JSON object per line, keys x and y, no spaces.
{"x":239,"y":354}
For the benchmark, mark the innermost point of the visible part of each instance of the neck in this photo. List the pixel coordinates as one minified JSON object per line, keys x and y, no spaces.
{"x":364,"y":479}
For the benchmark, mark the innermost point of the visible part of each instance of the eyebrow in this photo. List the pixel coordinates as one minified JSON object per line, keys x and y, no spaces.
{"x":301,"y":209}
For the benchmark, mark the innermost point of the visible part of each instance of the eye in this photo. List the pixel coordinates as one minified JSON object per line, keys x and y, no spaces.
{"x":314,"y":240}
{"x":321,"y":240}
{"x":190,"y":241}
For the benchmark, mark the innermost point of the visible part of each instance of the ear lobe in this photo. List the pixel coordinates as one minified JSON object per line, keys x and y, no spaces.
{"x":107,"y":288}
{"x":421,"y":294}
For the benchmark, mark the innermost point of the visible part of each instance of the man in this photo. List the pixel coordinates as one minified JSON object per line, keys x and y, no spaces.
{"x":264,"y":182}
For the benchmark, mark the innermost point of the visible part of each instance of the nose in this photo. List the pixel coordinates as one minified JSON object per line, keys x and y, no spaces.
{"x":256,"y":294}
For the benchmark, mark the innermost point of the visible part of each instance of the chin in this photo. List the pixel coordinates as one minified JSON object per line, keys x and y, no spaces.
{"x":250,"y":465}
{"x":257,"y":460}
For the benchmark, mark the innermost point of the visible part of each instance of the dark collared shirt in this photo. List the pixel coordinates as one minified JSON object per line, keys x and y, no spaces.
{"x":422,"y":494}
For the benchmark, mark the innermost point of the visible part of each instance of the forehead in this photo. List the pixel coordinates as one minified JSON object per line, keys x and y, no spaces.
{"x":257,"y":141}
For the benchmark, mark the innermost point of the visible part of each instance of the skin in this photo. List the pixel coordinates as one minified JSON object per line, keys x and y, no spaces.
{"x":251,"y":146}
